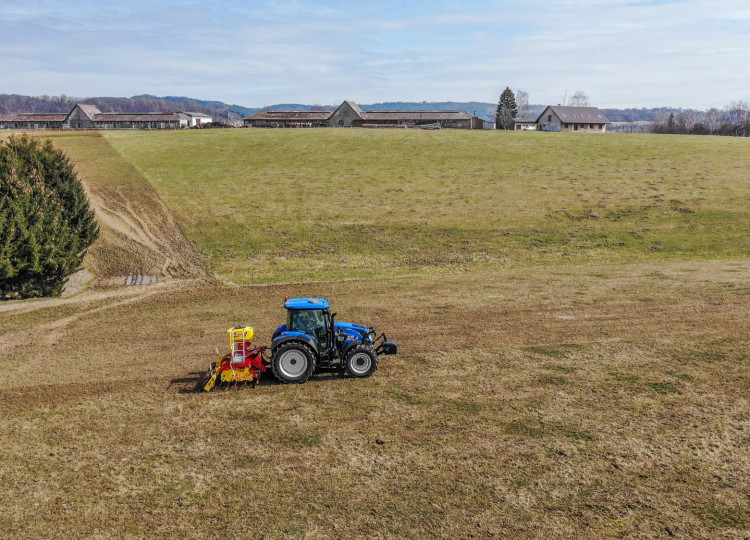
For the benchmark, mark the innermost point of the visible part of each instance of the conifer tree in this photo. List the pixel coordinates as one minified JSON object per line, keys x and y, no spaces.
{"x":46,"y":224}
{"x":506,"y":110}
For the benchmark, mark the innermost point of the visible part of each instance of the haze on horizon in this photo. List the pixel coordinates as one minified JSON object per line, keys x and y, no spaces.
{"x":622,"y":53}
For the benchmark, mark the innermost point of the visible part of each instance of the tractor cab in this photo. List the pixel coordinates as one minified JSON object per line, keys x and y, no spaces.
{"x":312,"y":321}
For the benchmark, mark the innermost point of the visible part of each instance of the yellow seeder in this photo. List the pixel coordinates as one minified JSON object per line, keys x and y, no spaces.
{"x":243,"y":364}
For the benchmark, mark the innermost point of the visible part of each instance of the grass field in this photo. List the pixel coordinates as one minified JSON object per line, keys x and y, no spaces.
{"x":295,"y":205}
{"x":550,"y":382}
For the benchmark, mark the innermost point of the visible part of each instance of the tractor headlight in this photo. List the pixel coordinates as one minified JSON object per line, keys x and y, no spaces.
{"x":372,"y":335}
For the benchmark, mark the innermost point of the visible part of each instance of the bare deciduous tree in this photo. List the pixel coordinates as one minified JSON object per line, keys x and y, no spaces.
{"x":522,"y":103}
{"x":687,"y":120}
{"x":579,"y":99}
{"x":739,"y":112}
{"x":714,"y":119}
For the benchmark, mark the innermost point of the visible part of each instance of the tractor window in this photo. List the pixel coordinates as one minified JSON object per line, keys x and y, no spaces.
{"x":310,"y":322}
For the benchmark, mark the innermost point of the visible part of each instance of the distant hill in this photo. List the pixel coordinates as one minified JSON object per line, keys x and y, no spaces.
{"x":184,"y":102}
{"x":223,"y":112}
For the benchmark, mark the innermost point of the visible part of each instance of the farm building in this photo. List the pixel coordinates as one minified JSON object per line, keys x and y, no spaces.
{"x":288,"y":119}
{"x":349,"y":114}
{"x":193,"y":119}
{"x":566,"y":118}
{"x":33,"y":121}
{"x":90,"y":117}
{"x":525,"y":124}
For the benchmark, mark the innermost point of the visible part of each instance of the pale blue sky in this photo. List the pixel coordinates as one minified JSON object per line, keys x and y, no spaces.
{"x":622,"y":53}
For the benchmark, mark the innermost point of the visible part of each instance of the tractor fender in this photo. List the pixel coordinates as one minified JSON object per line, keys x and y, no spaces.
{"x":295,"y":336}
{"x":349,"y":345}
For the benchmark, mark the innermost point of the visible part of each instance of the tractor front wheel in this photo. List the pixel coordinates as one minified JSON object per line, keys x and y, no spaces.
{"x":361,"y":361}
{"x":292,"y":362}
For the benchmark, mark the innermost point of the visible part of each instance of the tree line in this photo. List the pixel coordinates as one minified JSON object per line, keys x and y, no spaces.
{"x":732,"y":120}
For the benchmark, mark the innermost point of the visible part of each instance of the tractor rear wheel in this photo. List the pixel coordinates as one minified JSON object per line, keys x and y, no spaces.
{"x":361,"y":361}
{"x":292,"y":362}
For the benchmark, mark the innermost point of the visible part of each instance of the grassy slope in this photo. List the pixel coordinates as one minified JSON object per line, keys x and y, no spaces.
{"x":137,"y":232}
{"x":286,"y":205}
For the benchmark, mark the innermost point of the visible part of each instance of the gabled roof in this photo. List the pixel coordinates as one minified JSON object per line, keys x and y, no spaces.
{"x":89,"y":110}
{"x":431,"y":116}
{"x":34,"y":117}
{"x":194,"y":114}
{"x":416,"y":115}
{"x":354,"y":106}
{"x":290,"y":115}
{"x":589,"y":115}
{"x":135,"y":117}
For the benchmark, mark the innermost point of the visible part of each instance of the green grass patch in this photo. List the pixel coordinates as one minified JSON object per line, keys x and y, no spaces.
{"x":301,"y":205}
{"x":561,"y":368}
{"x":464,"y":406}
{"x":663,"y":388}
{"x":577,"y":435}
{"x":681,"y":376}
{"x":549,"y":379}
{"x":409,"y":399}
{"x":299,"y":439}
{"x":716,"y":515}
{"x":528,"y":427}
{"x":589,"y":489}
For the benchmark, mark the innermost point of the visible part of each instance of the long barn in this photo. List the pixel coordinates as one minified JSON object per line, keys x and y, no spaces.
{"x":349,"y":114}
{"x":85,"y":116}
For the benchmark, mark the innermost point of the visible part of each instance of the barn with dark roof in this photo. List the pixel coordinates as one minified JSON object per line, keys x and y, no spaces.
{"x":349,"y":114}
{"x":288,"y":119}
{"x":85,"y":116}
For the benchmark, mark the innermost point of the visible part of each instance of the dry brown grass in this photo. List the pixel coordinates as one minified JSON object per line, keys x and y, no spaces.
{"x":600,"y":401}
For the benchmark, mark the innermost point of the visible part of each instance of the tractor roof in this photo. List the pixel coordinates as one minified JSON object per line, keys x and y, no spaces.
{"x":306,"y":303}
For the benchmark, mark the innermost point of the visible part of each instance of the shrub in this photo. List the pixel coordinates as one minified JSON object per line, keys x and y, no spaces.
{"x":46,"y":224}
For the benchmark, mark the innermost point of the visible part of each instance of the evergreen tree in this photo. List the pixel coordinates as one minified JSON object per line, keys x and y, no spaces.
{"x":46,"y":224}
{"x":506,"y":110}
{"x":671,"y":124}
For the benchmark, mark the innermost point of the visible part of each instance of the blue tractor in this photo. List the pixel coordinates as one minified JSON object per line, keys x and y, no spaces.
{"x":312,"y":339}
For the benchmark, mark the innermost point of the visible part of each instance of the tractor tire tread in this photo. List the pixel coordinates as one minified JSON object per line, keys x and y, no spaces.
{"x":361,"y":348}
{"x":284,"y":346}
